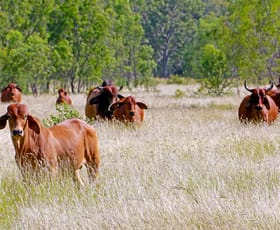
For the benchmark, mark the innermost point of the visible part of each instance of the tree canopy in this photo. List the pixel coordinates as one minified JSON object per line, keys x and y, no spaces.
{"x":76,"y":44}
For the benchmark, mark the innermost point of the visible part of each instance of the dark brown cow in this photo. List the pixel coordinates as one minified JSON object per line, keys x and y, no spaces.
{"x":258,"y":107}
{"x":98,"y":101}
{"x":67,"y":145}
{"x":11,"y":93}
{"x":63,"y":97}
{"x":128,"y":110}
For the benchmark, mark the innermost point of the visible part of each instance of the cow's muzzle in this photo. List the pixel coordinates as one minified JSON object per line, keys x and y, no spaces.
{"x":17,"y":132}
{"x":258,"y":107}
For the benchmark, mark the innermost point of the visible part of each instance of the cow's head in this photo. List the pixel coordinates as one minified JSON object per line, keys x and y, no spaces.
{"x":107,"y":95}
{"x":19,"y":119}
{"x":258,"y":98}
{"x":12,"y":88}
{"x":127,"y":107}
{"x":61,"y":91}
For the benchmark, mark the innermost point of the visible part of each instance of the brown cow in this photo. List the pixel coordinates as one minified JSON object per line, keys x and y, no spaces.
{"x":258,"y":107}
{"x":98,"y":101}
{"x":128,"y":110}
{"x":63,"y":97}
{"x":11,"y":93}
{"x":67,"y":145}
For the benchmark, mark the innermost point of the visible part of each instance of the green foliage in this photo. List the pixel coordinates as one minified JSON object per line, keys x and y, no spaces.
{"x":64,"y":112}
{"x":174,"y":79}
{"x":179,"y":93}
{"x":71,"y":42}
{"x":169,"y":27}
{"x":213,"y":69}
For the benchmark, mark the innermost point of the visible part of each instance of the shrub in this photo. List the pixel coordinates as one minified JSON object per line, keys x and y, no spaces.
{"x":64,"y":112}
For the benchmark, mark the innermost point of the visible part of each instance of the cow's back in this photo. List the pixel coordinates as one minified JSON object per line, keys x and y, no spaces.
{"x":275,"y":95}
{"x":73,"y":140}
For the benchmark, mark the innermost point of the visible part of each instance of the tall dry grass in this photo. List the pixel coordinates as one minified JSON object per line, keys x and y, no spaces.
{"x":191,"y":165}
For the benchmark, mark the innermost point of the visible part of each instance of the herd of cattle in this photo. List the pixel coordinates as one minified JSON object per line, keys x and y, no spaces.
{"x":73,"y":143}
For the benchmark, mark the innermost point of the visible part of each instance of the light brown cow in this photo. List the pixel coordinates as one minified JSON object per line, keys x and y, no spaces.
{"x":99,"y":100}
{"x":11,"y":93}
{"x":128,"y":110}
{"x":258,"y":106}
{"x":67,"y":145}
{"x":63,"y":97}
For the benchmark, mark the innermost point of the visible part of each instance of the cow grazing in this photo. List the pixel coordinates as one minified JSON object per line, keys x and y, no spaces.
{"x":128,"y":110}
{"x":67,"y":145}
{"x":258,"y":107}
{"x":98,"y":101}
{"x":63,"y":97}
{"x":11,"y":93}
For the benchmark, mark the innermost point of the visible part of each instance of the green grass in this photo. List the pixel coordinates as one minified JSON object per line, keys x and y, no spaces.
{"x":190,"y":165}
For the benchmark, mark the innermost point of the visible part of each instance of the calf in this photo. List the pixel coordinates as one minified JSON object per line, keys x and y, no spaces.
{"x":258,"y":106}
{"x":67,"y":145}
{"x":128,"y":110}
{"x":63,"y":97}
{"x":11,"y":93}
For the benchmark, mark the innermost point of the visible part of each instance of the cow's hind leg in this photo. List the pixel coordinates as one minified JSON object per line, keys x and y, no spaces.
{"x":77,"y":178}
{"x":92,"y":169}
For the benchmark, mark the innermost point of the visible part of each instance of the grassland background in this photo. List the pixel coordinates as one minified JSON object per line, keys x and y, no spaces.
{"x":191,"y":165}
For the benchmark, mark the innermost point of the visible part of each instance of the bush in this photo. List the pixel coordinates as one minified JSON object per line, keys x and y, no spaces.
{"x":179,"y":93}
{"x":64,"y":112}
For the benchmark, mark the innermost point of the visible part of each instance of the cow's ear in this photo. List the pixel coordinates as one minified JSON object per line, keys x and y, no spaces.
{"x":142,"y":105}
{"x":18,"y":88}
{"x":120,"y":96}
{"x":115,"y":105}
{"x":3,"y":121}
{"x":266,"y":102}
{"x":94,"y":100}
{"x":4,"y":89}
{"x":34,"y":124}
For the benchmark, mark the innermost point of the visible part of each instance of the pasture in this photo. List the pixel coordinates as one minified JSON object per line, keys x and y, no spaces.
{"x":190,"y":165}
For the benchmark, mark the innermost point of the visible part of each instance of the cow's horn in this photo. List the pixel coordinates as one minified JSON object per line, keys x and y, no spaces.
{"x":245,"y":85}
{"x":100,"y":88}
{"x":270,"y":87}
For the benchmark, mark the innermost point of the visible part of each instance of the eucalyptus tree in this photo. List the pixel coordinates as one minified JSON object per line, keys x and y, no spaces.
{"x":169,"y":26}
{"x":133,"y":56}
{"x":24,"y":46}
{"x":254,"y":28}
{"x":78,"y":31}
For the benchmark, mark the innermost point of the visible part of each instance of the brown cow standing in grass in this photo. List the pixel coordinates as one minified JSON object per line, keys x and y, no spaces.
{"x":11,"y":93}
{"x":128,"y":110}
{"x":63,"y":97}
{"x":98,"y":101}
{"x":258,"y":106}
{"x":67,"y":145}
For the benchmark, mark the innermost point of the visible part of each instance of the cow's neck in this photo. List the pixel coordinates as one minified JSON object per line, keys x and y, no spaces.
{"x":25,"y":144}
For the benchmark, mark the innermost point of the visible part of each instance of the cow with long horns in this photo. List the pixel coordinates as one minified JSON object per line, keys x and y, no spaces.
{"x":258,"y":106}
